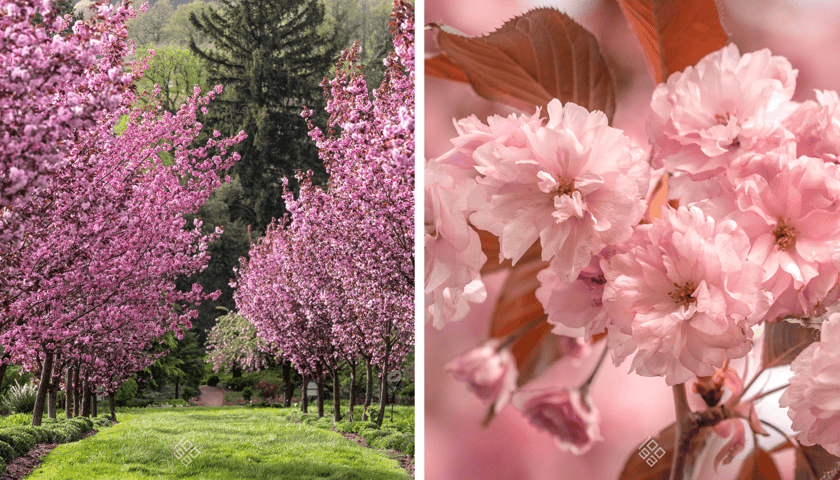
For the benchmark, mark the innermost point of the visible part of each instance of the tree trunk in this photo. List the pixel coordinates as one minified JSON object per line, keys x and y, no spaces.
{"x":77,"y":392}
{"x":320,"y":381}
{"x":43,"y":387}
{"x":53,"y":398}
{"x":3,"y":366}
{"x":86,"y":400}
{"x":383,"y":381}
{"x":304,"y":400}
{"x":287,"y":384}
{"x":336,"y":395}
{"x":111,"y":404}
{"x":177,"y":384}
{"x":352,"y":388}
{"x":95,"y":401}
{"x":368,"y":388}
{"x":68,"y":393}
{"x":55,"y":379}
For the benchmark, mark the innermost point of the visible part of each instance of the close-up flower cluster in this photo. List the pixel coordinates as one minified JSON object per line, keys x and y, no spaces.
{"x":675,"y":253}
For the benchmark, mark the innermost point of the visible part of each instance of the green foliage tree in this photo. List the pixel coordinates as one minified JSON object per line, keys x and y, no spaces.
{"x":150,"y":27}
{"x":183,"y":364}
{"x":226,"y":207}
{"x":176,"y":71}
{"x":179,"y":30}
{"x":366,"y":22}
{"x":271,"y":57}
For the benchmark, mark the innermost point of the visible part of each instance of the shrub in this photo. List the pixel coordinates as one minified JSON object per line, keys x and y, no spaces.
{"x":21,"y":398}
{"x":22,"y":442}
{"x":268,"y":388}
{"x":84,"y":423}
{"x":407,"y":391}
{"x":371,"y":436}
{"x":346,"y":427}
{"x":39,"y":434}
{"x":126,"y":392}
{"x":396,"y":441}
{"x":213,"y":380}
{"x":247,"y":393}
{"x":189,"y":392}
{"x":7,"y":453}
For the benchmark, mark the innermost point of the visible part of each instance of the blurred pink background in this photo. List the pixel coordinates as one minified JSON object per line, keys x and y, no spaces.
{"x":632,"y":407}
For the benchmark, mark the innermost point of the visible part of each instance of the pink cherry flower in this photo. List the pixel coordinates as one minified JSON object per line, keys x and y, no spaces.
{"x":816,"y":126}
{"x":489,"y":372}
{"x":812,"y":397}
{"x":577,"y":184}
{"x":565,"y":414}
{"x":726,"y":105}
{"x":685,"y":294}
{"x":452,"y":248}
{"x":575,"y":309}
{"x":793,"y":220}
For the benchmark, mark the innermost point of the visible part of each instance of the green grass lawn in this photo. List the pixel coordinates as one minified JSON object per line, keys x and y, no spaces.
{"x":234,"y":443}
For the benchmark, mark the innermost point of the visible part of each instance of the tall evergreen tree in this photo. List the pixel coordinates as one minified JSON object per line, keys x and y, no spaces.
{"x":271,"y":56}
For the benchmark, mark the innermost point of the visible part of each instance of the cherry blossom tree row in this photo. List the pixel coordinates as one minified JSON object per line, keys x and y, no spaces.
{"x":93,"y":226}
{"x":334,"y":280}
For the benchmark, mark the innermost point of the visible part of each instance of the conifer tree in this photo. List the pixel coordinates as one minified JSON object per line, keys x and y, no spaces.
{"x":271,"y":55}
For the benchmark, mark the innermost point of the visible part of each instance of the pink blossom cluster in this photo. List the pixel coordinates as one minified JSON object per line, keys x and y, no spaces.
{"x":812,"y":394}
{"x":751,"y":234}
{"x":574,"y":183}
{"x":52,"y":84}
{"x":739,"y":148}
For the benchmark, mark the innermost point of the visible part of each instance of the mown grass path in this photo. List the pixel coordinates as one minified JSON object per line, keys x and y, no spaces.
{"x":231,"y":443}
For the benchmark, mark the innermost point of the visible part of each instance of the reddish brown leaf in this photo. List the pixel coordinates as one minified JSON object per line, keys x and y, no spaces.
{"x":491,"y":248}
{"x":516,"y":308}
{"x":638,"y":465}
{"x":814,"y":463}
{"x":530,"y":60}
{"x":783,"y":341}
{"x":674,"y":33}
{"x":759,"y":465}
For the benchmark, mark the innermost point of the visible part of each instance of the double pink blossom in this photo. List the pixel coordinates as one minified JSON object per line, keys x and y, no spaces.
{"x":576,"y":184}
{"x":684,"y":296}
{"x":565,"y":414}
{"x":812,"y":397}
{"x":490,"y":373}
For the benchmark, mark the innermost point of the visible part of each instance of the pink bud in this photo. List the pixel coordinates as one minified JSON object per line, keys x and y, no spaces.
{"x":564,"y":414}
{"x":491,"y":374}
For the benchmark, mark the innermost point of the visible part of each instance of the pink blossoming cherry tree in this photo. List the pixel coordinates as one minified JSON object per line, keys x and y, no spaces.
{"x":748,"y":238}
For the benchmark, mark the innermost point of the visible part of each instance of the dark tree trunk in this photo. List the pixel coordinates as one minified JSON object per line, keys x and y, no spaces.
{"x":368,"y":388}
{"x":3,"y":366}
{"x":86,"y":401}
{"x":383,"y":381}
{"x":352,"y":388}
{"x":43,"y":387}
{"x":111,"y":404}
{"x":77,"y":392}
{"x":68,"y":393}
{"x":95,"y":402}
{"x":304,"y":400}
{"x":55,"y":379}
{"x":336,"y":395}
{"x":287,"y":384}
{"x":320,"y":380}
{"x":177,"y":384}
